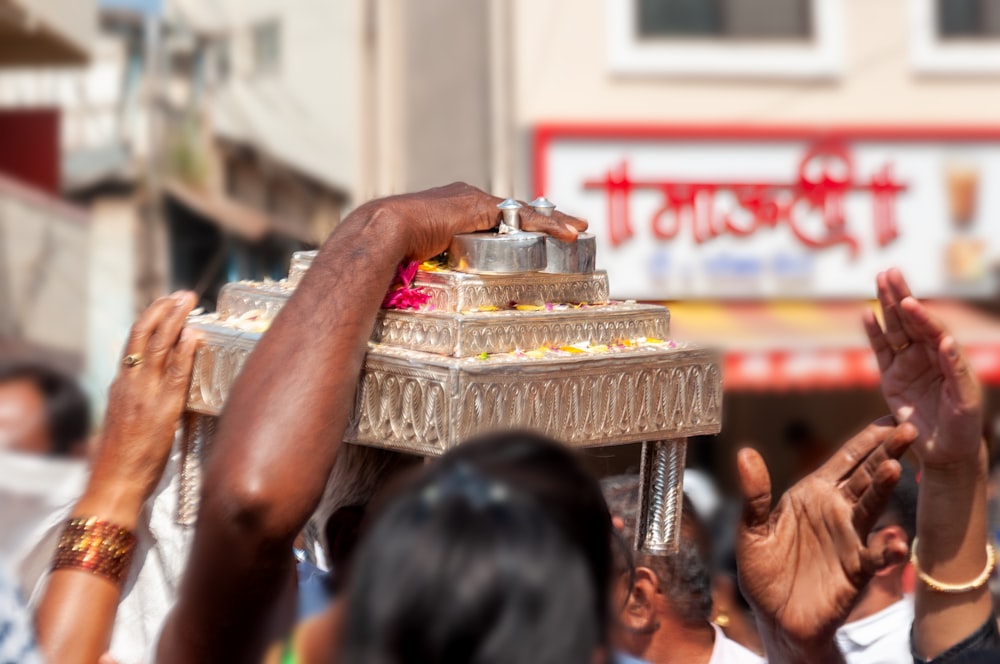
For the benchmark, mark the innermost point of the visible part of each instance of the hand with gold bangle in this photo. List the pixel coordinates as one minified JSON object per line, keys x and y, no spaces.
{"x":927,"y":381}
{"x":96,"y":547}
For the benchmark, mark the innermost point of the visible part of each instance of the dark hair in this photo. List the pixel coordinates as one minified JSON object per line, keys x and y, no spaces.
{"x":499,"y":551}
{"x":991,"y":656}
{"x":340,"y":533}
{"x":686,"y":576}
{"x":67,"y":412}
{"x":902,"y":504}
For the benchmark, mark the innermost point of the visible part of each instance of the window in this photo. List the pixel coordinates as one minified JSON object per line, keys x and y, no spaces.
{"x":267,"y":47}
{"x":222,"y":60}
{"x":758,"y":38}
{"x":968,"y":18}
{"x":960,"y":37}
{"x":737,"y":19}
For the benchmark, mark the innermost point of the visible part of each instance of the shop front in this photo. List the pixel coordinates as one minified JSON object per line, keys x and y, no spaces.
{"x":765,"y":241}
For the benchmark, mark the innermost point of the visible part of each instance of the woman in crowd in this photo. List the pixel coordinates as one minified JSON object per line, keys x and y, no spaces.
{"x":94,"y":554}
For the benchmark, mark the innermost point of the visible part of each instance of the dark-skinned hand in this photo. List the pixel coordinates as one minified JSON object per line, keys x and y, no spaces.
{"x":803,"y":564}
{"x":430,"y":218}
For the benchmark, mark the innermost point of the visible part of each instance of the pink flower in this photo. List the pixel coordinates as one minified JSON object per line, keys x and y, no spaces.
{"x":408,"y":273}
{"x":402,"y":294}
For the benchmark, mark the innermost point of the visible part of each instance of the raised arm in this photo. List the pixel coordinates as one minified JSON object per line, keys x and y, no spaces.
{"x":287,"y":413}
{"x":927,"y":381}
{"x":77,"y":612}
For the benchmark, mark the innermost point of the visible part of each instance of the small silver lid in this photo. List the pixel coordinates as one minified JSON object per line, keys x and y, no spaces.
{"x":543,"y":206}
{"x":509,"y":204}
{"x":511,"y":216}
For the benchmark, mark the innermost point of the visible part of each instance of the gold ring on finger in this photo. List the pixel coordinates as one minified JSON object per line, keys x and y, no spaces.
{"x":132,"y":360}
{"x":899,"y":348}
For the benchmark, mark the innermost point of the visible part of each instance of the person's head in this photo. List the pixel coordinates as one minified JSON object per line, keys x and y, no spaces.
{"x":42,"y":411}
{"x":674,"y":589}
{"x":498,"y":551}
{"x":358,"y":474}
{"x":897,"y":522}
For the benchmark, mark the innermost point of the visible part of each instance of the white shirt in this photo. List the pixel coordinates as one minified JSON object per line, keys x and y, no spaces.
{"x":727,"y":651}
{"x":881,"y":638}
{"x":157,"y":564}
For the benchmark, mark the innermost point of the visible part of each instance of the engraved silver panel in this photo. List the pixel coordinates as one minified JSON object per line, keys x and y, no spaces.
{"x":455,"y":291}
{"x":423,"y":404}
{"x":623,"y":398}
{"x":466,"y":335}
{"x":242,"y":297}
{"x":301,"y":260}
{"x":449,"y":291}
{"x":403,"y":406}
{"x":218,"y":361}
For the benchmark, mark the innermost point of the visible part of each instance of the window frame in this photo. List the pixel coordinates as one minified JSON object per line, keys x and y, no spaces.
{"x":257,"y":31}
{"x":820,"y":56}
{"x":931,"y":54}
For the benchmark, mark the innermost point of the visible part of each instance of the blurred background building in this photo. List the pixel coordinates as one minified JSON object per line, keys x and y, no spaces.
{"x":753,"y":163}
{"x":44,"y":240}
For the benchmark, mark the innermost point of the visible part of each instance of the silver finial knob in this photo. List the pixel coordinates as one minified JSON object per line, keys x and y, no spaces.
{"x":543,"y":206}
{"x":511,"y":217}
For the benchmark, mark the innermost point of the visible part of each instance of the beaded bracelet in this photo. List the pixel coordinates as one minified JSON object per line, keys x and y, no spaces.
{"x":96,"y":546}
{"x":954,"y":588}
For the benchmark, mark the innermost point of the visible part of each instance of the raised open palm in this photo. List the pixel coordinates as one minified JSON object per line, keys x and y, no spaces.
{"x":925,"y":378}
{"x":803,"y":565}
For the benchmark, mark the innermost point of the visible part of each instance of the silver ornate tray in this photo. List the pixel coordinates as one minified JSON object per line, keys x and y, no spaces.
{"x":496,"y":352}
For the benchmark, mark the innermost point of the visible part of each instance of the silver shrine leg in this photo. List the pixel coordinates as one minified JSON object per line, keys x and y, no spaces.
{"x":197,"y":434}
{"x":661,"y":496}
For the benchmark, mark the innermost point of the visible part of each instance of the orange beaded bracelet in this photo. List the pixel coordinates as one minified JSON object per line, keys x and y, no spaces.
{"x":96,"y":546}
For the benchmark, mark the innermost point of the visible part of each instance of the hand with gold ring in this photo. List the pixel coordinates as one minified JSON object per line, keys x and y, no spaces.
{"x":925,"y":376}
{"x":144,"y":406}
{"x":76,"y":614}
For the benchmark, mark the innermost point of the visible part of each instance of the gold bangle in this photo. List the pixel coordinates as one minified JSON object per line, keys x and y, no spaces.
{"x":954,"y":588}
{"x":96,"y":546}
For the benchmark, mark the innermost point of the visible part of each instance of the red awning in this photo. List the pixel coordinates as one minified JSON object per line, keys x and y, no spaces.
{"x":804,"y":346}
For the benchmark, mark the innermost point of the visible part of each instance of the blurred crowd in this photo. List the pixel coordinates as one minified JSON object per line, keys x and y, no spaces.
{"x":506,"y":549}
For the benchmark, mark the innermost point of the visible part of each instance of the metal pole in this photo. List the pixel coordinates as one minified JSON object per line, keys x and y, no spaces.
{"x":196,"y":434}
{"x":661,"y":496}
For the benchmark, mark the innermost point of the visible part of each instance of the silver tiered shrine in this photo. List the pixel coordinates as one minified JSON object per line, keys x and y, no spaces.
{"x":565,"y":361}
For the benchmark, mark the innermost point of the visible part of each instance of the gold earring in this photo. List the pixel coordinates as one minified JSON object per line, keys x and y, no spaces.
{"x":722,"y":620}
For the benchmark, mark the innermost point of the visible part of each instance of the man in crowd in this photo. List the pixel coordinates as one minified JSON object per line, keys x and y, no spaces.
{"x":666,"y":617}
{"x":878,"y":629}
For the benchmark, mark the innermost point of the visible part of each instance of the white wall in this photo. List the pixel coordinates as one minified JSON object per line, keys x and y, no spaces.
{"x":562,"y":73}
{"x":111,"y":280}
{"x":317,"y":79}
{"x":43,"y":267}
